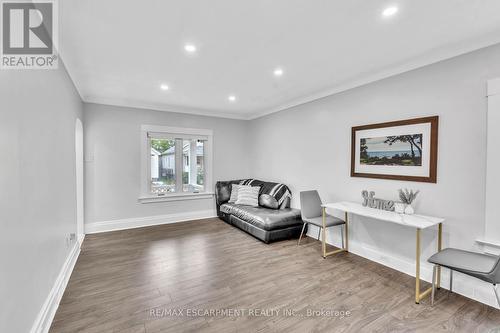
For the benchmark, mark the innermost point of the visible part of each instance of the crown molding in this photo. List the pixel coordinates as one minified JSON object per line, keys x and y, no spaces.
{"x":124,"y":102}
{"x":431,"y":57}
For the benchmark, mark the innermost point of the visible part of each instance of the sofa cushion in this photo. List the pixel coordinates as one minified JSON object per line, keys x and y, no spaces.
{"x":264,"y":218}
{"x":265,"y":235}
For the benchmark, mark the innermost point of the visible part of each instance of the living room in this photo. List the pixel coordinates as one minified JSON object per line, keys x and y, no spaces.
{"x":250,"y":166}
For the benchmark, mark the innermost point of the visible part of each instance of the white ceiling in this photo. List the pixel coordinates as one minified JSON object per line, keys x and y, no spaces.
{"x":119,"y":51}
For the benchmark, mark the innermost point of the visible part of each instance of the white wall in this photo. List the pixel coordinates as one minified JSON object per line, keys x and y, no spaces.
{"x":492,"y":227}
{"x":38,"y":109}
{"x":80,"y":194}
{"x":113,"y":152}
{"x":311,"y":150}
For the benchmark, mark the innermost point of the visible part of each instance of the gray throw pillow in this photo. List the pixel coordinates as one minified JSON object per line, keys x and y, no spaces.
{"x":234,"y":193}
{"x":268,"y":201}
{"x":248,"y":196}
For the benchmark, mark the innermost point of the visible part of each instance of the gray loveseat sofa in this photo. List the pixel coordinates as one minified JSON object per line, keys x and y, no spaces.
{"x":266,"y":224}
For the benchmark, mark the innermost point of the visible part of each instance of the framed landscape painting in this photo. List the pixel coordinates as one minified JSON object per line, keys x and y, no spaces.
{"x":400,"y":150}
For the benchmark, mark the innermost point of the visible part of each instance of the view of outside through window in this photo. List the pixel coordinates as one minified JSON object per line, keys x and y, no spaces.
{"x":193,"y":169}
{"x":162,"y":166}
{"x":164,"y":177}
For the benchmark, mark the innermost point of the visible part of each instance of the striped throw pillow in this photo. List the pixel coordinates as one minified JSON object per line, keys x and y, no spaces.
{"x":234,"y":193}
{"x":248,"y":196}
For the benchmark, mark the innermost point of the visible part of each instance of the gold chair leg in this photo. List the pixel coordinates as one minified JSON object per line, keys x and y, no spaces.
{"x":301,"y":233}
{"x":496,"y":293}
{"x":434,"y":270}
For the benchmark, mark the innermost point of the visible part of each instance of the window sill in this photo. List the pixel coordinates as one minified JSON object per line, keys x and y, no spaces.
{"x":176,"y":197}
{"x":489,"y":243}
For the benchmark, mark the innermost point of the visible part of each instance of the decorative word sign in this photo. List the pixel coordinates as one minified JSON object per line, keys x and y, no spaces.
{"x":369,"y":200}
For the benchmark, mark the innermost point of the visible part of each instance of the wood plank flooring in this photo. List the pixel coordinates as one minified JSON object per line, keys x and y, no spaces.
{"x":139,"y":280}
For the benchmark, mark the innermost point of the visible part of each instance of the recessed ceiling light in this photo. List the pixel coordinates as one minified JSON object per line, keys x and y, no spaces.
{"x":278,"y":72}
{"x":389,"y":11}
{"x":164,"y":86}
{"x":190,"y":48}
{"x":231,"y":98}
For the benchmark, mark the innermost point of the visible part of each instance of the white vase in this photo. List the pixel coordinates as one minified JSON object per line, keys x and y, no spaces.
{"x":399,"y":207}
{"x":409,"y":210}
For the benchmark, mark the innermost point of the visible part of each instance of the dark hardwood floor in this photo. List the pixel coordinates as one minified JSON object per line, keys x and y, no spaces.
{"x":138,"y":280}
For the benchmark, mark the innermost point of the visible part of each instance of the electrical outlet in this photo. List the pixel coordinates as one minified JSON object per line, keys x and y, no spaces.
{"x":70,"y":238}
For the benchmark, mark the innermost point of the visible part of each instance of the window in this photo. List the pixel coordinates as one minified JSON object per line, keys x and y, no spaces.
{"x":177,"y":161}
{"x":162,"y":176}
{"x":193,"y":173}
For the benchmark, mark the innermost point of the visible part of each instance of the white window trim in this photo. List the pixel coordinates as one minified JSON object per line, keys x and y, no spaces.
{"x":145,"y":195}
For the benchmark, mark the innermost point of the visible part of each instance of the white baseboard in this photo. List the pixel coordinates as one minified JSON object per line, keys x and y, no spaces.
{"x":81,"y":238}
{"x":464,"y":285}
{"x":49,"y":308}
{"x":138,"y":222}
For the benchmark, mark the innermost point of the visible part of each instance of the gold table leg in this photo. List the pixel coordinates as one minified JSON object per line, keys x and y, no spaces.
{"x":346,"y":232}
{"x":417,"y":269}
{"x":420,"y":295}
{"x":324,"y":233}
{"x":440,"y":240}
{"x":323,"y":239}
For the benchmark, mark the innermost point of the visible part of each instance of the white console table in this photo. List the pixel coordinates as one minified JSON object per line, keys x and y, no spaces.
{"x":418,"y":222}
